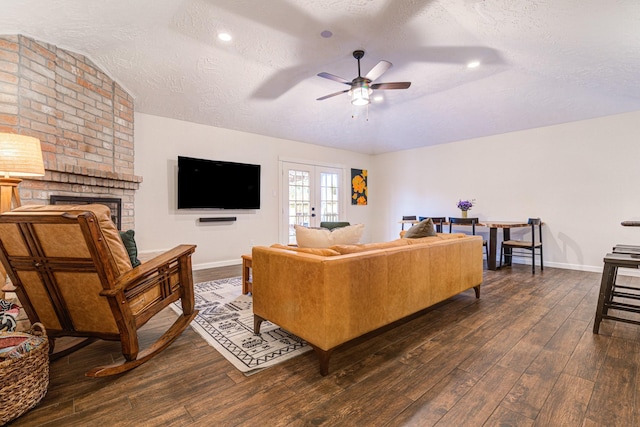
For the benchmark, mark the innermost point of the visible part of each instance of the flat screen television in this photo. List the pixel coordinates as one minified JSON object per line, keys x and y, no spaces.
{"x":214,"y":184}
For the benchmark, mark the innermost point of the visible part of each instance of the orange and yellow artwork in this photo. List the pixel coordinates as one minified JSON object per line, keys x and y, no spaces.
{"x":359,"y":189}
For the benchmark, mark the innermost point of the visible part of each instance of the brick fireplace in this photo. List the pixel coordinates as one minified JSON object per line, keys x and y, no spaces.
{"x":83,"y":118}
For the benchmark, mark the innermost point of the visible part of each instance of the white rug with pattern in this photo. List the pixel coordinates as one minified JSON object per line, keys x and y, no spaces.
{"x":225,"y":321}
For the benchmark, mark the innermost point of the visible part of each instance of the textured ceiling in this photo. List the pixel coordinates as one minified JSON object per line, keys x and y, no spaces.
{"x":544,"y":62}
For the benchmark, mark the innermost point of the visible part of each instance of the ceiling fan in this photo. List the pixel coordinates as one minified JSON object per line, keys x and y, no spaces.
{"x":362,"y":87}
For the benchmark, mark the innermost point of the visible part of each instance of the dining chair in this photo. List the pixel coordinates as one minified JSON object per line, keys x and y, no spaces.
{"x":526,"y":245}
{"x":472,"y":222}
{"x":408,"y":218}
{"x":438,"y":221}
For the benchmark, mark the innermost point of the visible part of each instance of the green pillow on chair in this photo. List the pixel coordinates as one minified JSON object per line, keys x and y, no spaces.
{"x":130,"y":245}
{"x":334,"y":224}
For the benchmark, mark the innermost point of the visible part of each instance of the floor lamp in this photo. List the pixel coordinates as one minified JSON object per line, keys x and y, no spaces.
{"x":20,"y":156}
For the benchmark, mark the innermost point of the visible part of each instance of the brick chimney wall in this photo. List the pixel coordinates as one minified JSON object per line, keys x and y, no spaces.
{"x":83,"y":118}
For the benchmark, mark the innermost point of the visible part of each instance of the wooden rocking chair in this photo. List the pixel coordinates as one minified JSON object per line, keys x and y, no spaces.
{"x":72,"y":273}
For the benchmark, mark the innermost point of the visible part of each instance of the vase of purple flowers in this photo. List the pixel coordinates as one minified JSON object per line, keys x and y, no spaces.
{"x":464,"y":206}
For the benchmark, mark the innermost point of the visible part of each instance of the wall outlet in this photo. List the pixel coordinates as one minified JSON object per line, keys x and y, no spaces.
{"x":252,"y":243}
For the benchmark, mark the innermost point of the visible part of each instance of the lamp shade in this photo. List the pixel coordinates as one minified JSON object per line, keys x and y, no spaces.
{"x":20,"y":155}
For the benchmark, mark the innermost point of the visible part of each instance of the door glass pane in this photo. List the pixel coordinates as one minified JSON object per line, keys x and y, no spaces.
{"x":299,"y":202}
{"x":329,"y":196}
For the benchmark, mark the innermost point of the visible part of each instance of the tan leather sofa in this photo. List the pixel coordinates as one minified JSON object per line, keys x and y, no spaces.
{"x":330,"y":296}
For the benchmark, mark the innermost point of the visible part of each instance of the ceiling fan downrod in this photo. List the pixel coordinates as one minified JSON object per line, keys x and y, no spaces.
{"x":358,"y":54}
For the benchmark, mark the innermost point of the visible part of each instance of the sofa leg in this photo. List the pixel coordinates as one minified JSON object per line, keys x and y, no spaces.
{"x":477,"y":289}
{"x":257,"y":322}
{"x":323,"y":356}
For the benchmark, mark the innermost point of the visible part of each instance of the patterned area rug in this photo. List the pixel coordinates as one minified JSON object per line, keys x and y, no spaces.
{"x":225,"y":321}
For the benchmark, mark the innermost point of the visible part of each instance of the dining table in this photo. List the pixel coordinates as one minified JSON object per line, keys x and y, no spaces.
{"x":493,"y":226}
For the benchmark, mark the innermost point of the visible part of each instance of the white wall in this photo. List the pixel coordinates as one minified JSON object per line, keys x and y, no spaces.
{"x":581,"y":178}
{"x":159,"y":225}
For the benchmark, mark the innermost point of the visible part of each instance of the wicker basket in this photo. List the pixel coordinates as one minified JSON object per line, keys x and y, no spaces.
{"x":24,"y":371}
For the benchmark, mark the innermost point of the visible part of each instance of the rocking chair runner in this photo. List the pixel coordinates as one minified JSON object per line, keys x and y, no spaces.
{"x":72,"y":273}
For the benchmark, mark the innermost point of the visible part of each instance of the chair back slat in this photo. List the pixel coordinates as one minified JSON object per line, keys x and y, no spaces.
{"x":463,"y":221}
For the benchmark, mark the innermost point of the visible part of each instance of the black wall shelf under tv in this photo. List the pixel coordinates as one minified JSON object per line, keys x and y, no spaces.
{"x":219,"y":219}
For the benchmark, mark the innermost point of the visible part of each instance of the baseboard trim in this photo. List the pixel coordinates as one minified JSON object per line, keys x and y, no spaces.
{"x":216,"y":264}
{"x":578,"y":267}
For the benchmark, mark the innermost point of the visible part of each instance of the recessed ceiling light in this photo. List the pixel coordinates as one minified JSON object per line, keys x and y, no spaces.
{"x":473,"y":64}
{"x":378,"y":98}
{"x":326,"y":34}
{"x":225,"y":37}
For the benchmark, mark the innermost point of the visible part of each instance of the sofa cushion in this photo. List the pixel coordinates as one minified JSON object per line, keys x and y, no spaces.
{"x":322,"y":238}
{"x":424,"y":228}
{"x":421,"y":240}
{"x":352,"y":249}
{"x":449,"y":236}
{"x":314,"y":251}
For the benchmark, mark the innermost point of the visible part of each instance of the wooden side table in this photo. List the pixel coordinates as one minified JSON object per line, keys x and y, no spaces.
{"x":247,"y":284}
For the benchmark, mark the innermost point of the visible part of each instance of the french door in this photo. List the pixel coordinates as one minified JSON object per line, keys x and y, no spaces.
{"x":311,"y":194}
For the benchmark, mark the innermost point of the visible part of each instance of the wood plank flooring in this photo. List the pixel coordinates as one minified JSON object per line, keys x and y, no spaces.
{"x":522,"y":355}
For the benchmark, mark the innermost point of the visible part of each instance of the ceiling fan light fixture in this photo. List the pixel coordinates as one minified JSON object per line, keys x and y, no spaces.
{"x":360,"y":95}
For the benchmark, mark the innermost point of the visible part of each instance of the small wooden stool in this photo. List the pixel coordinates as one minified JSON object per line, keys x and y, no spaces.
{"x":610,"y":290}
{"x":247,"y":282}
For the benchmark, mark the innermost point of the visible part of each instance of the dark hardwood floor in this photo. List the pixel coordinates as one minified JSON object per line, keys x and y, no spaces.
{"x":522,"y":355}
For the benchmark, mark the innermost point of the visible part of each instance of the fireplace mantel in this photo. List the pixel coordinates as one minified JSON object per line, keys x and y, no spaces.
{"x":86,"y":176}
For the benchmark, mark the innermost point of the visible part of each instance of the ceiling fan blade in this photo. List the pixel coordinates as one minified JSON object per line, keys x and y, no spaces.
{"x":335,"y":78}
{"x":333,"y":94}
{"x":394,"y":85}
{"x":380,"y":68}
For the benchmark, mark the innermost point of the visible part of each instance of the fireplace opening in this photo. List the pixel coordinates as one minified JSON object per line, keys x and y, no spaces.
{"x":114,"y":204}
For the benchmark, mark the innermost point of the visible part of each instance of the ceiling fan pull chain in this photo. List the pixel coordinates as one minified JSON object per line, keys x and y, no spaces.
{"x":356,"y":111}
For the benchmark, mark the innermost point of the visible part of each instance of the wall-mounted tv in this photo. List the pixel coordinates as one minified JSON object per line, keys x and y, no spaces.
{"x":205,"y":184}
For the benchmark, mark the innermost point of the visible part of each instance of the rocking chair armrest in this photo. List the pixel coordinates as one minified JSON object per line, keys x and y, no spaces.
{"x":149,"y":268}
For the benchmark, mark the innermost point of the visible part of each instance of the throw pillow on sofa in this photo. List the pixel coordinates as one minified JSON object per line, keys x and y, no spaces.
{"x":307,"y":237}
{"x":424,"y":228}
{"x":349,"y":235}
